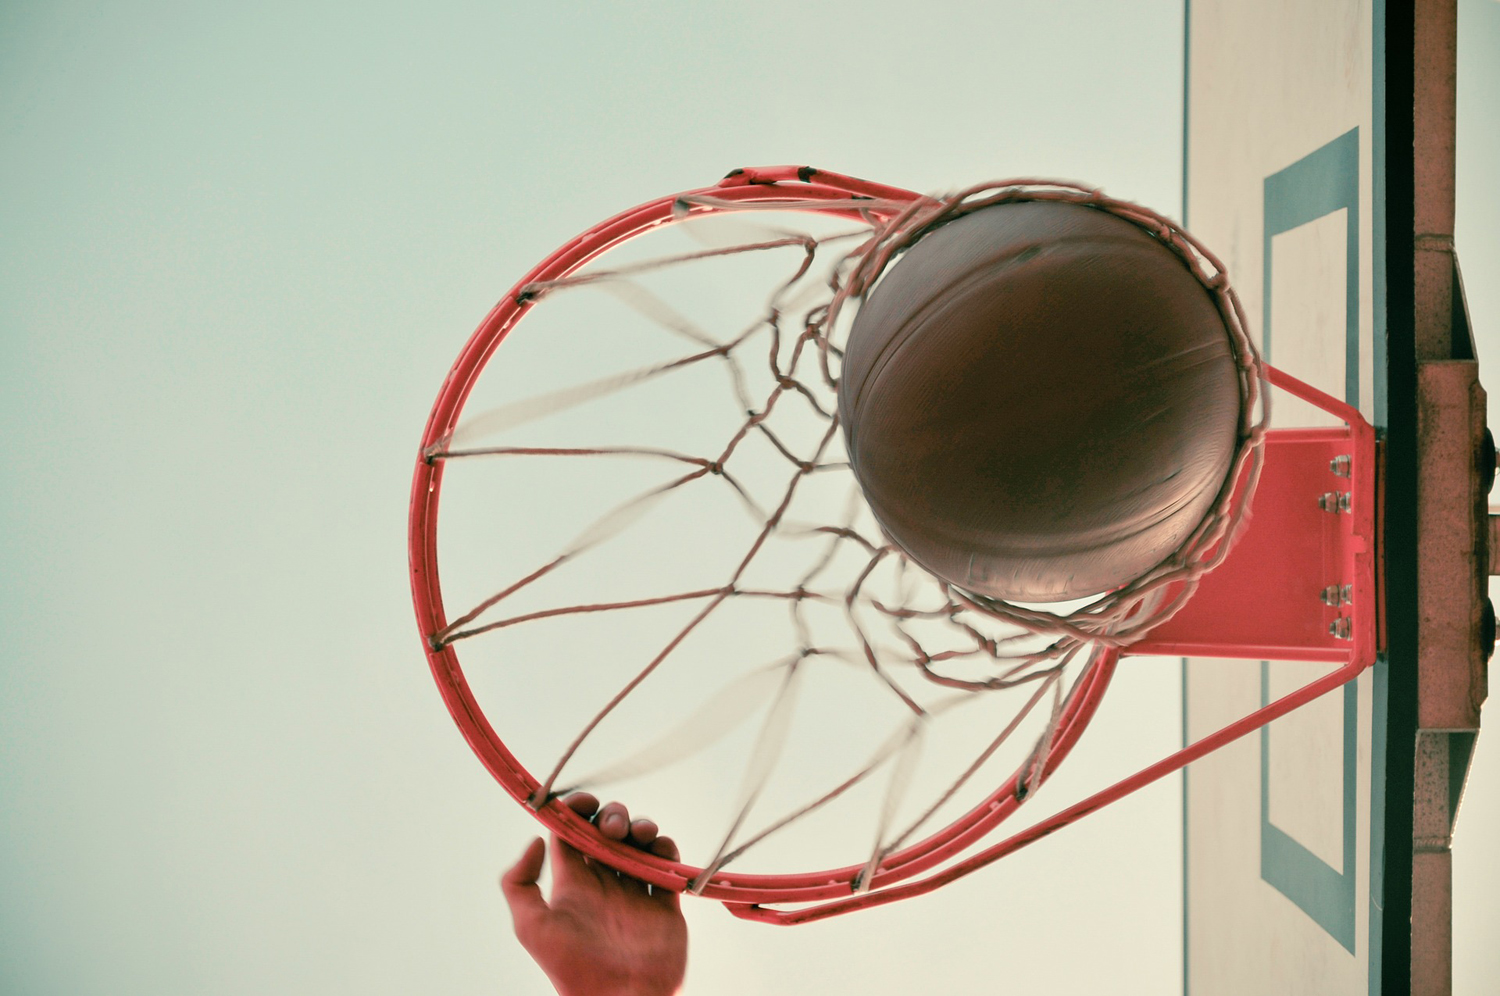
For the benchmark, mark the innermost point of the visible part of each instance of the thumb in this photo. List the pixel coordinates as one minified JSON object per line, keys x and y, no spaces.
{"x":522,"y":893}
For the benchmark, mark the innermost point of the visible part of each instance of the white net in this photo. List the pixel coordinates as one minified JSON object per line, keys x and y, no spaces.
{"x":659,"y":569}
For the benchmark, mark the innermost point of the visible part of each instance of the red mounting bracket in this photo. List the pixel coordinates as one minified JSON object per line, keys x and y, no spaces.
{"x":1300,"y":583}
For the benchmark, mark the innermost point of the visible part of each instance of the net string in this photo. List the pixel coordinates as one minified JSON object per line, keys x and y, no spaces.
{"x":1115,"y":619}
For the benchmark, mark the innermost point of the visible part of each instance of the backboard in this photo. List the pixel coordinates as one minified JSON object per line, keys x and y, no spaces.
{"x":1318,"y":162}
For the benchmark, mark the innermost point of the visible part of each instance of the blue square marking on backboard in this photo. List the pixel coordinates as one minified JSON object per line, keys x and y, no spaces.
{"x":1319,"y":184}
{"x":1322,"y":892}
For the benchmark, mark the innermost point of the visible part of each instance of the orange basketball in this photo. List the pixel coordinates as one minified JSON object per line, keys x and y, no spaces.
{"x":1039,"y":401}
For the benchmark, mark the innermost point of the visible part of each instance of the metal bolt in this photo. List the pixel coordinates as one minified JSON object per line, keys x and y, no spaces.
{"x":1337,"y":594}
{"x":1342,"y":628}
{"x":1341,"y":466}
{"x":1336,"y":501}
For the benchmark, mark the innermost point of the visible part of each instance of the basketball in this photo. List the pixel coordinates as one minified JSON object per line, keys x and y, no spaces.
{"x":1039,"y":401}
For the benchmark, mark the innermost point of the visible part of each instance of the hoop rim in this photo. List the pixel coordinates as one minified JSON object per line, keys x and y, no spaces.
{"x":794,"y":188}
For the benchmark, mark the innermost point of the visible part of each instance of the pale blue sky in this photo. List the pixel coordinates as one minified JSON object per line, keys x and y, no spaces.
{"x":241,"y":246}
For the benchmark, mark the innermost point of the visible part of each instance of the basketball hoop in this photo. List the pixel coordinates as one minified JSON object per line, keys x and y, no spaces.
{"x":927,"y":645}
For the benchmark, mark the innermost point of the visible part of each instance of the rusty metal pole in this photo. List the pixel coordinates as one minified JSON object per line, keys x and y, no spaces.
{"x":1453,"y":528}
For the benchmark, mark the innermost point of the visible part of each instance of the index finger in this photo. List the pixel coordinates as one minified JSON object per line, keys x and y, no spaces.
{"x":585,"y":804}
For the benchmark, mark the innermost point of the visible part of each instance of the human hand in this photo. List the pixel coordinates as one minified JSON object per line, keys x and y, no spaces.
{"x":601,"y":933}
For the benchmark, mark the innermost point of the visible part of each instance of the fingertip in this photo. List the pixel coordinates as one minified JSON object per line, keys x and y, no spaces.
{"x":665,"y":847}
{"x":528,"y":868}
{"x":585,"y":804}
{"x":534,"y":851}
{"x":643,"y":832}
{"x":613,"y":821}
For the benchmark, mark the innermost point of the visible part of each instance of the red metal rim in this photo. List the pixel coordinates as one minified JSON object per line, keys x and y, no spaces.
{"x":801,"y":188}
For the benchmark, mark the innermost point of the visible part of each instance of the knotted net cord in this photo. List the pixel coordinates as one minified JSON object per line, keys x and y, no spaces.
{"x":1022,"y":645}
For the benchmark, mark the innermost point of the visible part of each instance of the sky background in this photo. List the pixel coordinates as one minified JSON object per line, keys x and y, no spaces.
{"x":241,"y":247}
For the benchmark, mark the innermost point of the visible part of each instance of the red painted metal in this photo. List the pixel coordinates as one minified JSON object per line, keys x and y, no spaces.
{"x":1264,"y":602}
{"x":1255,"y":605}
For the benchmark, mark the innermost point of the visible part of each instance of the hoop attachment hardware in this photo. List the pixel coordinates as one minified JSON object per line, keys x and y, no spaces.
{"x":1300,"y":583}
